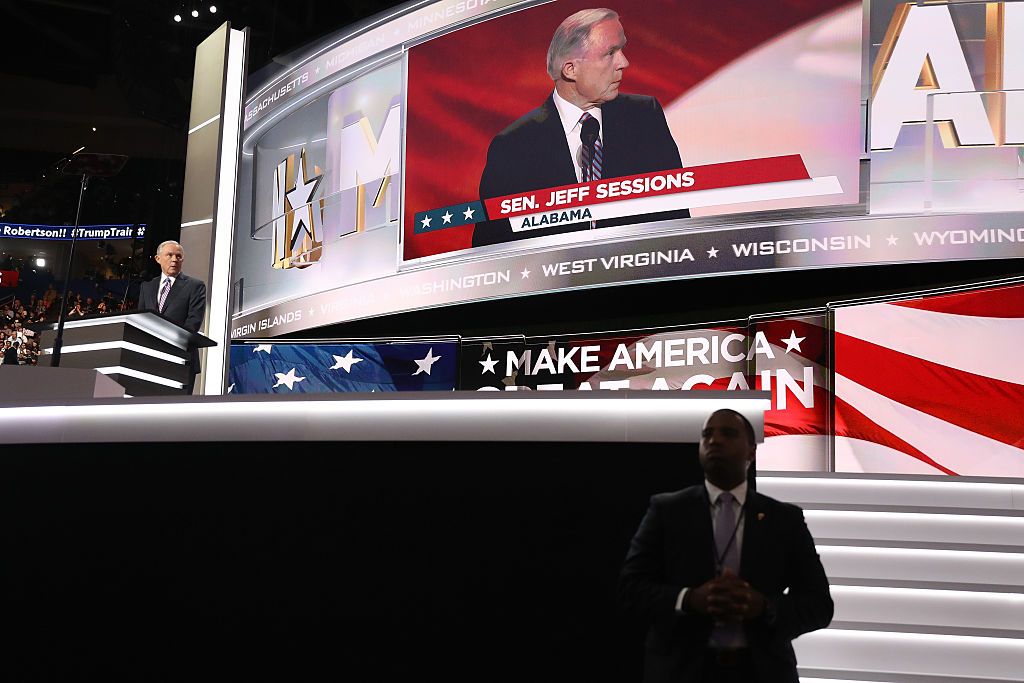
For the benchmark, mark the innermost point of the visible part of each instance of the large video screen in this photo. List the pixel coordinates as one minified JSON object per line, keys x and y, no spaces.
{"x":427,"y":159}
{"x":694,"y":109}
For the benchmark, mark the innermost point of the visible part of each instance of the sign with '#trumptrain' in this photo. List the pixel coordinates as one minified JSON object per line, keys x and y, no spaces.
{"x":65,"y":232}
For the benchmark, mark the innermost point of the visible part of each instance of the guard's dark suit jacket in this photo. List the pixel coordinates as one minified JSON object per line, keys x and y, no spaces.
{"x":185,"y":305}
{"x":674,"y":547}
{"x":533,"y":154}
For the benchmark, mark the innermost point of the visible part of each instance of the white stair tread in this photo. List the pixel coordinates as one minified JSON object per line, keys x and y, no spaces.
{"x":829,"y":489}
{"x":909,"y":564}
{"x":928,"y":607}
{"x":916,"y":527}
{"x":912,"y":653}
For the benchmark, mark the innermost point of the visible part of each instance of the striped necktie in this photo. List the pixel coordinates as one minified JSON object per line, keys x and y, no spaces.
{"x":592,"y":154}
{"x":163,"y":295}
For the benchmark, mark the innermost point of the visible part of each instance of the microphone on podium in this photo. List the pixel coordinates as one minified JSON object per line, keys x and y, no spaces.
{"x":589,"y":132}
{"x":591,"y":166}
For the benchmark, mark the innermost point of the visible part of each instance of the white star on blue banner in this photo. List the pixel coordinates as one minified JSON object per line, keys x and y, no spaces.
{"x":333,"y":367}
{"x":449,"y":217}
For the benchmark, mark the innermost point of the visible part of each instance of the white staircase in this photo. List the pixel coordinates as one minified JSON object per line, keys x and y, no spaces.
{"x":927,"y":575}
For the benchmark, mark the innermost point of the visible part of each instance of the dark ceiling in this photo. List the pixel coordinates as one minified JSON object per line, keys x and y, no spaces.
{"x":123,"y":67}
{"x":77,"y":42}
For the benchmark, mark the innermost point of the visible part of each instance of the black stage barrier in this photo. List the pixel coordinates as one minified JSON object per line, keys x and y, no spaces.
{"x":364,"y":561}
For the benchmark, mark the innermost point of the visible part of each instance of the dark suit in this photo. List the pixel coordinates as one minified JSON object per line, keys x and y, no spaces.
{"x":185,"y":305}
{"x":674,"y":548}
{"x":533,"y":154}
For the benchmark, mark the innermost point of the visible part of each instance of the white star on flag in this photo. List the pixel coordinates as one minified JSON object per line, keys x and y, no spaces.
{"x":712,"y":252}
{"x":262,"y":347}
{"x":425,"y":222}
{"x":345,"y":362}
{"x":231,"y":388}
{"x":488,"y":364}
{"x":793,"y":342}
{"x":468,"y":213}
{"x":424,"y":364}
{"x":447,"y":217}
{"x":290,"y":379}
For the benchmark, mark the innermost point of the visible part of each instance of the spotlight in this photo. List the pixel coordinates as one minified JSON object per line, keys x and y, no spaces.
{"x":213,"y":9}
{"x":177,"y":18}
{"x":94,"y":129}
{"x":195,"y":14}
{"x":40,"y":263}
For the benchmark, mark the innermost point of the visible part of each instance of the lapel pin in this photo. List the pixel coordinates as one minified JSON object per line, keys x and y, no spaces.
{"x":760,"y":516}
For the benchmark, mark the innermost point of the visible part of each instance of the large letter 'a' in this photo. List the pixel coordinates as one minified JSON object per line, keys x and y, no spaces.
{"x":921,"y":56}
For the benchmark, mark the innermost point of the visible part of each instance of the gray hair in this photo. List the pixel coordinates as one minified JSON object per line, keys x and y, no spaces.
{"x":160,"y":247}
{"x":572,"y":35}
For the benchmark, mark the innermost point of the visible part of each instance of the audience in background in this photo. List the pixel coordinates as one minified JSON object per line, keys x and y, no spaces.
{"x":17,"y":318}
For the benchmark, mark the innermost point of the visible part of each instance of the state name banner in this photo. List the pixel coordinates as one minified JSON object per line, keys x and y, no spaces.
{"x":733,"y":182}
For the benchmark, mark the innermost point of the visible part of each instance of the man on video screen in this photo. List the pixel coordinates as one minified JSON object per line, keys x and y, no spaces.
{"x":586,"y":129}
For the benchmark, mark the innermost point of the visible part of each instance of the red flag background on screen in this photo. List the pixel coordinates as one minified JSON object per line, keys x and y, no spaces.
{"x":795,"y":429}
{"x":932,"y":385}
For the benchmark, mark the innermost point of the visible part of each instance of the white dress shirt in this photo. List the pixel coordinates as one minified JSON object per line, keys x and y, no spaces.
{"x":739,"y":499}
{"x":570,"y":115}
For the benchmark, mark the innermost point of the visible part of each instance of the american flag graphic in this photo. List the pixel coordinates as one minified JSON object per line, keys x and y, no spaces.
{"x":932,"y":385}
{"x":329,"y":367}
{"x":796,"y":428}
{"x":929,"y":385}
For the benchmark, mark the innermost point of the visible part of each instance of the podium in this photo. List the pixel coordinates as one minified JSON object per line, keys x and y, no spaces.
{"x":30,"y":383}
{"x":144,"y":352}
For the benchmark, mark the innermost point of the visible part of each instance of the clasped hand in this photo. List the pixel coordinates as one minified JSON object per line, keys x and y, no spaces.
{"x":726,"y":598}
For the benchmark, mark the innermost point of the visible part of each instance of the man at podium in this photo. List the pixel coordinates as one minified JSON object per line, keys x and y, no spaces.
{"x":176,"y":296}
{"x":564,"y":141}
